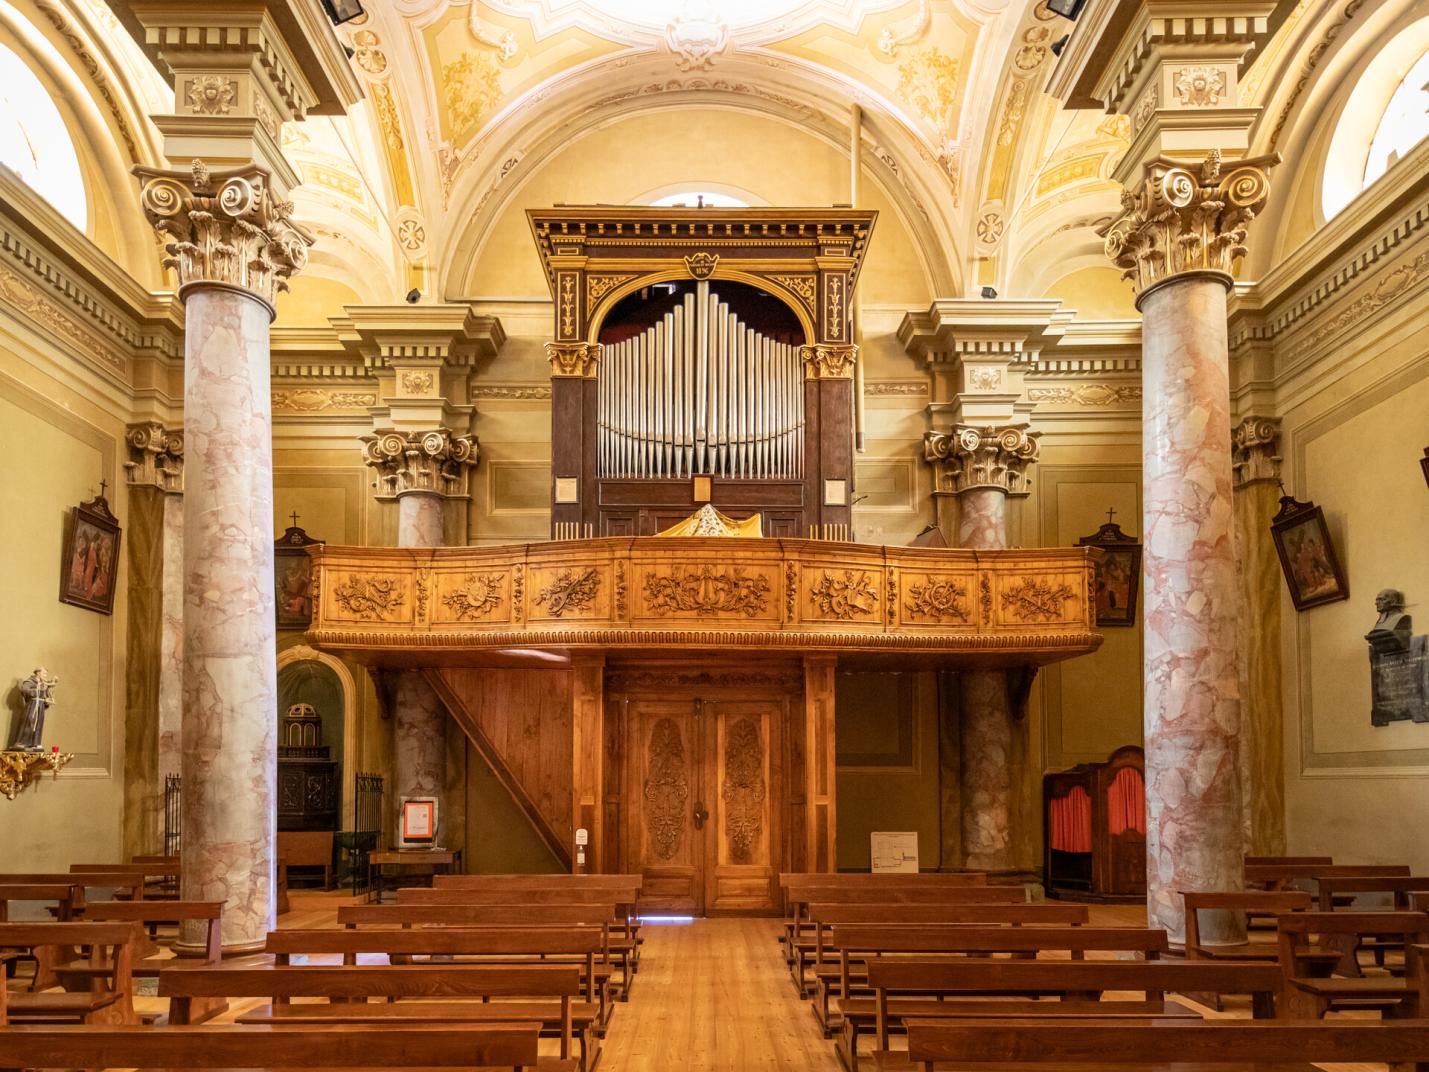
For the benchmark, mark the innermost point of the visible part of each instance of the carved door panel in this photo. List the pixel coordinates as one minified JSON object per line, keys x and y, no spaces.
{"x":741,"y":739}
{"x":664,"y":841}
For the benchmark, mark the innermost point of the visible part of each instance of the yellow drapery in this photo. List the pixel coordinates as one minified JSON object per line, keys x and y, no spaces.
{"x":707,"y":521}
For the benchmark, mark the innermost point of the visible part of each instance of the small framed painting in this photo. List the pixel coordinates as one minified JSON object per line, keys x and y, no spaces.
{"x":91,"y":557}
{"x":293,"y":578}
{"x":419,"y":820}
{"x":1118,"y":573}
{"x":1307,"y":554}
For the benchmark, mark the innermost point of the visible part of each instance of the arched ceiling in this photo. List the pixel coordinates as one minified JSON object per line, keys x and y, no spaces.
{"x":467,"y":100}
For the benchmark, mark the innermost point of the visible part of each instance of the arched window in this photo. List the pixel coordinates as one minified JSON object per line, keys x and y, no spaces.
{"x":34,"y":142}
{"x":693,"y":198}
{"x":1385,"y":116}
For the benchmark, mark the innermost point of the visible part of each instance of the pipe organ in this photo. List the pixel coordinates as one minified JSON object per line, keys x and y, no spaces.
{"x":700,"y":392}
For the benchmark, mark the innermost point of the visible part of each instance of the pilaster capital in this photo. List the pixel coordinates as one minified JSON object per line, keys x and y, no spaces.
{"x":828,"y":361}
{"x":574,"y":359}
{"x":982,"y":457}
{"x":434,"y":462}
{"x":224,"y":227}
{"x":1187,"y":218}
{"x":1255,"y":446}
{"x":156,"y":457}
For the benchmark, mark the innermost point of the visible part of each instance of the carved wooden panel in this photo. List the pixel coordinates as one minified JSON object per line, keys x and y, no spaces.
{"x":662,"y":786}
{"x":743,"y":736}
{"x":707,"y":591}
{"x":475,"y":596}
{"x":743,"y":790}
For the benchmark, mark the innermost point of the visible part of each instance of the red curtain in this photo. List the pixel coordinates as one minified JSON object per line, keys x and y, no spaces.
{"x":1070,"y":818}
{"x":1126,"y":802}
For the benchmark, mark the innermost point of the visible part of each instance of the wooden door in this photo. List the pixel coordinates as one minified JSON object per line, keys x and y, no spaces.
{"x":742,"y":737}
{"x":664,"y":782}
{"x":703,"y":828}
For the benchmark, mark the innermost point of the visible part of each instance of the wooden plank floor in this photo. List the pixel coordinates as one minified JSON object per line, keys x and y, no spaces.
{"x":712,"y":995}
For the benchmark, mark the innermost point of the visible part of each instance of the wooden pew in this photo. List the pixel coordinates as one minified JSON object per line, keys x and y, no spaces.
{"x":122,"y":883}
{"x":1320,"y":861}
{"x":584,"y":946}
{"x":619,"y":945}
{"x":1280,"y":876}
{"x":959,"y":989}
{"x":507,"y":1046}
{"x":1259,"y":902}
{"x":858,"y":945}
{"x":109,"y":998}
{"x":1210,"y":1045}
{"x":808,"y":955}
{"x":1344,"y":891}
{"x":1308,"y":997}
{"x":62,"y":894}
{"x":896,"y":890}
{"x":624,"y":889}
{"x":544,"y":994}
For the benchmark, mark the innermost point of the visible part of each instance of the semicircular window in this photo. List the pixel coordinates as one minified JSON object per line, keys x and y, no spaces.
{"x":35,"y":143}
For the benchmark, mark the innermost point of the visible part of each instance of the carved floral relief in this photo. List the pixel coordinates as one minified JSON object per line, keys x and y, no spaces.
{"x":851,"y":595}
{"x":706,"y":590}
{"x":572,"y":590}
{"x":743,"y":791}
{"x":666,"y":789}
{"x":478,"y":596}
{"x":368,"y":597}
{"x":1033,"y":599}
{"x":939,"y":599}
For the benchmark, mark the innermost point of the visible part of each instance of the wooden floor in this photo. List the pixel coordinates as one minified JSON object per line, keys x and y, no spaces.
{"x":712,"y":995}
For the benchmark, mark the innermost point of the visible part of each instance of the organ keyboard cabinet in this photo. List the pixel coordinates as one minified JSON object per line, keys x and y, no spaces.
{"x":1095,"y":829}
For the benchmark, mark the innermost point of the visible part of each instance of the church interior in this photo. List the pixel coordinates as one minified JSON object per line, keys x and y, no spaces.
{"x":715,"y":534}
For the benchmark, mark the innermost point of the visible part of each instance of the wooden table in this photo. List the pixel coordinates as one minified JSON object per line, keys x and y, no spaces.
{"x":447,"y":859}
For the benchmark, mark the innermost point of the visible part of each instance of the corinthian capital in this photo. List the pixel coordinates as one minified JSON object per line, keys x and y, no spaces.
{"x":156,"y":456}
{"x":1184,"y":220}
{"x":224,"y":227}
{"x":1255,"y":457}
{"x":971,"y":457}
{"x":434,"y":462}
{"x":826,"y":361}
{"x":573,"y":358}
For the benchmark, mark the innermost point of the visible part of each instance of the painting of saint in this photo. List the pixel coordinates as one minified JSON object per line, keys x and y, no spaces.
{"x":91,"y":558}
{"x":1118,"y":573}
{"x":1307,"y":556}
{"x":293,"y":578}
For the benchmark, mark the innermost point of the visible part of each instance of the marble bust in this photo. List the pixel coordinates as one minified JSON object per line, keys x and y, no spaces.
{"x":1393,"y":630}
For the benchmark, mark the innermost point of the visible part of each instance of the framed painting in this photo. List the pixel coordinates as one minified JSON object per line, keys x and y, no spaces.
{"x":419,"y":819}
{"x":90,"y":564}
{"x":293,"y":578}
{"x":1118,"y":573}
{"x":1307,"y":554}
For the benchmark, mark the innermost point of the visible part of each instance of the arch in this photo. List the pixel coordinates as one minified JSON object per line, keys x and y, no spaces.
{"x":518,"y":144}
{"x":597,"y":316}
{"x":37,"y":144}
{"x":300,"y":652}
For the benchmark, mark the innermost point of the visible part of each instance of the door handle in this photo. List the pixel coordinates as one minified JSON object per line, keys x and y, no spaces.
{"x":700,"y":815}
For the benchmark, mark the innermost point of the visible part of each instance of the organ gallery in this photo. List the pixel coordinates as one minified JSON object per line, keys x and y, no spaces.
{"x":603,"y":522}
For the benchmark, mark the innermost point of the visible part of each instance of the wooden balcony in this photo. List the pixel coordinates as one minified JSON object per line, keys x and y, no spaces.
{"x":651,"y":596}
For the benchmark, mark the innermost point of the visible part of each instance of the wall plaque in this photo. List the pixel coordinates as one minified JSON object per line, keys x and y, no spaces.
{"x":1398,"y":664}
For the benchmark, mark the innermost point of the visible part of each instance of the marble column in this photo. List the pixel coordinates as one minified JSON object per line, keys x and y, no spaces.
{"x":421,"y":470}
{"x":1256,"y":465}
{"x":1192,"y":705}
{"x":1178,"y":237}
{"x":233,"y":246}
{"x":982,"y":467}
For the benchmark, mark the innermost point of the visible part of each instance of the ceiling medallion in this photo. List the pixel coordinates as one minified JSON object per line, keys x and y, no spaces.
{"x":697,"y":35}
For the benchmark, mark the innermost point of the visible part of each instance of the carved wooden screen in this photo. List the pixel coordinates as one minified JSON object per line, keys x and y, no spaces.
{"x":743,"y":860}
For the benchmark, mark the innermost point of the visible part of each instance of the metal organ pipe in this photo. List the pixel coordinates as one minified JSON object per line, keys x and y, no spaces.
{"x":701,"y":392}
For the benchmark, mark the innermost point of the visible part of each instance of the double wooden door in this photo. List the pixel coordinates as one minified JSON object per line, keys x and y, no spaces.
{"x":702,"y":812}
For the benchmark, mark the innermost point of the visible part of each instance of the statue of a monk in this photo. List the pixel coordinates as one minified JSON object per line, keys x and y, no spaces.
{"x":37,"y":689}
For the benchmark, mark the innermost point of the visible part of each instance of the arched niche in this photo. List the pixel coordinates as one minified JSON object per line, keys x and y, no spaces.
{"x":609,"y":303}
{"x":306,"y":675}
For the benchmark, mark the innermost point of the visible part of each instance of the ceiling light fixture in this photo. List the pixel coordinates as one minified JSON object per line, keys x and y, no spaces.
{"x":340,"y":11}
{"x":1068,"y":9}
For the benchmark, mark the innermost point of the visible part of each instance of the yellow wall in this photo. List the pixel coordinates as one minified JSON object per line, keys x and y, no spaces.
{"x":59,"y":445}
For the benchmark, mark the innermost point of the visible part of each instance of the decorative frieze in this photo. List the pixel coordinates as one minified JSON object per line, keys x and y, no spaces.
{"x":1184,"y":220}
{"x":828,"y":362}
{"x":571,"y":590}
{"x":1255,"y":445}
{"x":851,"y":595}
{"x":706,"y":590}
{"x":988,"y":457}
{"x":156,"y":456}
{"x":434,"y":462}
{"x":573,"y":358}
{"x":224,"y":227}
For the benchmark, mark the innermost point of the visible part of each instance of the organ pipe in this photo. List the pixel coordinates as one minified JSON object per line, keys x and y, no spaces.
{"x":701,"y":392}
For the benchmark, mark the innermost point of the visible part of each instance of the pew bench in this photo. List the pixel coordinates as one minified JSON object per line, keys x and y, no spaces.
{"x":977,"y":989}
{"x":1308,"y":996}
{"x":859,"y":946}
{"x":620,"y":947}
{"x":547,"y":995}
{"x":1207,"y":1046}
{"x":809,"y":952}
{"x":795,"y":888}
{"x":505,"y":1046}
{"x":107,"y":999}
{"x":582,"y":947}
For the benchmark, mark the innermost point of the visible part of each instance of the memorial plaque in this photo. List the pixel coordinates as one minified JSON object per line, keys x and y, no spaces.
{"x":1398,"y":664}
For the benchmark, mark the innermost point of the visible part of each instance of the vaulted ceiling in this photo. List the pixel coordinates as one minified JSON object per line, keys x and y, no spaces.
{"x":466,"y":101}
